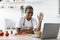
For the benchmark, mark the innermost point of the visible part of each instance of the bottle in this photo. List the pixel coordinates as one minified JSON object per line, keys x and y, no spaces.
{"x":11,"y":32}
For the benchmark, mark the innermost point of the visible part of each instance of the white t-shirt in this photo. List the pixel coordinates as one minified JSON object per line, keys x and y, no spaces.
{"x":27,"y":23}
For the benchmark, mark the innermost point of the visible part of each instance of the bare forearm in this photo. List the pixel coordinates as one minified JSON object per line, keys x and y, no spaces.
{"x":39,"y":26}
{"x":19,"y":31}
{"x":40,"y":18}
{"x":23,"y":30}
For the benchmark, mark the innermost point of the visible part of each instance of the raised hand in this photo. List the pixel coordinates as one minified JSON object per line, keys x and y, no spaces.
{"x":40,"y":17}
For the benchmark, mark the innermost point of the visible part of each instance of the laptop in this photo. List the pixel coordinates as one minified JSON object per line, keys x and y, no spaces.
{"x":50,"y":31}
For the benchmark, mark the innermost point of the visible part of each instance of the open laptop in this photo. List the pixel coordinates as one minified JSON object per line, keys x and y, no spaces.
{"x":50,"y":31}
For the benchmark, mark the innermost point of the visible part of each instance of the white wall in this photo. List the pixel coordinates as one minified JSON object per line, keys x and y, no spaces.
{"x":50,"y":10}
{"x":11,"y":14}
{"x":48,"y":7}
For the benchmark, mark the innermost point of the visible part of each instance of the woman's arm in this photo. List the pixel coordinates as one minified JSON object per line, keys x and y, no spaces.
{"x":40,"y":18}
{"x":30,"y":30}
{"x":39,"y":26}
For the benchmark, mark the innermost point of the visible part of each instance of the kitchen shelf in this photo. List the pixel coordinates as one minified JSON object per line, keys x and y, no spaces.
{"x":16,"y":4}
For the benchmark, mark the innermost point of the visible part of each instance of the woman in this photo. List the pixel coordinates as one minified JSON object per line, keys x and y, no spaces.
{"x":27,"y":24}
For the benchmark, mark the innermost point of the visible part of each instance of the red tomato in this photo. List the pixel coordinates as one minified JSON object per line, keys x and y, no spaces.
{"x":1,"y":33}
{"x":7,"y":34}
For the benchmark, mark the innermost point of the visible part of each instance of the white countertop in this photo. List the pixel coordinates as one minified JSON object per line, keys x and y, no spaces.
{"x":22,"y":37}
{"x":25,"y":37}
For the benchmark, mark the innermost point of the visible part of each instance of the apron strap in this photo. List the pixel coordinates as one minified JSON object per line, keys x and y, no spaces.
{"x":31,"y":22}
{"x":24,"y":22}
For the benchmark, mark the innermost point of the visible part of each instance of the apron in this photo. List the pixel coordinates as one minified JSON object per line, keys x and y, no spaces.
{"x":23,"y":26}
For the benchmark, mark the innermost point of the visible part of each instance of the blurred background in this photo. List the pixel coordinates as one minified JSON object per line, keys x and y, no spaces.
{"x":12,"y":10}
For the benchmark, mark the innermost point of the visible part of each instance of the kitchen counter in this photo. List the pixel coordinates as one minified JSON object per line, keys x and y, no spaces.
{"x":22,"y":37}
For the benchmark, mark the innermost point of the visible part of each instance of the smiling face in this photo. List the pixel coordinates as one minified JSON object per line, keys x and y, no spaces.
{"x":29,"y":12}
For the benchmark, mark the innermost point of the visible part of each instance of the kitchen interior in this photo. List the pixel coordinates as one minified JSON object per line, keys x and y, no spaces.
{"x":12,"y":10}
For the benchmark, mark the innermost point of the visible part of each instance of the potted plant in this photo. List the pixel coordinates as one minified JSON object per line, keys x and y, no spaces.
{"x":22,"y":9}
